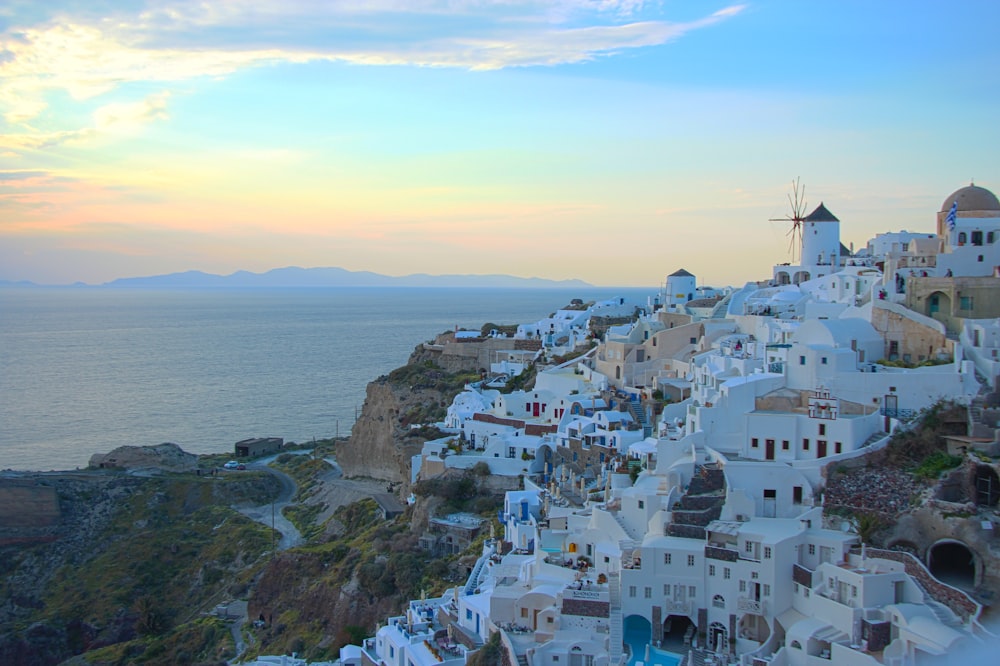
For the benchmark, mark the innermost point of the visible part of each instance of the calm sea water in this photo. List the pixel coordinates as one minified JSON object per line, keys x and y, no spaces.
{"x":87,"y":370}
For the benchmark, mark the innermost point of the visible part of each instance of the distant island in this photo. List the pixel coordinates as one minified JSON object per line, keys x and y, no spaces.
{"x":295,"y":277}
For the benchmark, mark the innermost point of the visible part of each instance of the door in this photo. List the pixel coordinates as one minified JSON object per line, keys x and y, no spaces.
{"x":821,"y":448}
{"x":769,"y":449}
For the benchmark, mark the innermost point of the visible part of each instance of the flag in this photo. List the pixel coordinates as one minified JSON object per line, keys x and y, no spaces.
{"x":952,"y":214}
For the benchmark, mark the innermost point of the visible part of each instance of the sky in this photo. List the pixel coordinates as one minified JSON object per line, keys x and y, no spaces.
{"x":612,"y":141}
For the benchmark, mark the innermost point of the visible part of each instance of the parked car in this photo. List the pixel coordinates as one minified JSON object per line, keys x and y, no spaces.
{"x":241,"y":466}
{"x":232,"y":464}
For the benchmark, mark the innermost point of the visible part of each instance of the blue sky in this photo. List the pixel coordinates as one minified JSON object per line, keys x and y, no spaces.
{"x":612,"y":141}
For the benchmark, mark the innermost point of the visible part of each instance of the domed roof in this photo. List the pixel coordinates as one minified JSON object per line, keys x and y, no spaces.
{"x":972,"y":197}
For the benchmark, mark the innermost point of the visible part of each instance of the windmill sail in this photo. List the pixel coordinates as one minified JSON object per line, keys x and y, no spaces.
{"x":797,"y":202}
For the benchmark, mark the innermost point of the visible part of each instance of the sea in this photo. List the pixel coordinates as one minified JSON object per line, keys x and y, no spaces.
{"x":86,"y":370}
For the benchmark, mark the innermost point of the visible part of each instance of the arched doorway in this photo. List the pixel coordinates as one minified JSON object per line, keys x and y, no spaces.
{"x":718,"y":637}
{"x":801,"y":276}
{"x":781,"y":278}
{"x":938,"y":305}
{"x":637,"y":633}
{"x":677,"y":628}
{"x":952,"y":562}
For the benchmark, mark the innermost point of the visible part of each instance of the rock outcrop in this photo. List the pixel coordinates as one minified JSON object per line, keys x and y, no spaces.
{"x":167,"y":457}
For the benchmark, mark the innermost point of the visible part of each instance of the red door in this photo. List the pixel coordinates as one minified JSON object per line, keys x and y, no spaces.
{"x":821,"y":448}
{"x":769,"y":451}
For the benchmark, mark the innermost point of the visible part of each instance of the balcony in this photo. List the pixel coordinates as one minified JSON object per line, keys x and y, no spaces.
{"x":724,"y":554}
{"x":748,"y":605}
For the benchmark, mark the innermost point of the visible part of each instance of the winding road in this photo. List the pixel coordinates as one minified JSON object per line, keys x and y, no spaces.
{"x":270,"y":514}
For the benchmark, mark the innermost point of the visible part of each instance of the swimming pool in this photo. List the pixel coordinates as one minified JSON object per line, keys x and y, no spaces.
{"x":638,"y":640}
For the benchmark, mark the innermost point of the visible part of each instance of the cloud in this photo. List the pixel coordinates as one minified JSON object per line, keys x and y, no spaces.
{"x":88,"y":55}
{"x":8,"y":176}
{"x":130,"y":117}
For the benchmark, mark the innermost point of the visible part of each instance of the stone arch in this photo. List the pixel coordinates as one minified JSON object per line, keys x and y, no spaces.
{"x":986,"y":485}
{"x":953,"y":562}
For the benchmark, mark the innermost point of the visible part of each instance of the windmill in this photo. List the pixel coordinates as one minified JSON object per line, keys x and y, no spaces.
{"x":798,"y":204}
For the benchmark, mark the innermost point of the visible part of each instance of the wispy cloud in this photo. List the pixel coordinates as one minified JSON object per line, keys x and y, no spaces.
{"x":87,"y":55}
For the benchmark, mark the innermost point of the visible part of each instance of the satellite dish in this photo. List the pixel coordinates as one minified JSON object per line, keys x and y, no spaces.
{"x":845,"y":526}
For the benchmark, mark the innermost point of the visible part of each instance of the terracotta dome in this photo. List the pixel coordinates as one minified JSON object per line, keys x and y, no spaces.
{"x":972,"y":197}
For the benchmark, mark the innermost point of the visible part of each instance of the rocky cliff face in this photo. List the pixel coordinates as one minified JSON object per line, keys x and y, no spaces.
{"x":384,"y":439}
{"x":377,"y":447}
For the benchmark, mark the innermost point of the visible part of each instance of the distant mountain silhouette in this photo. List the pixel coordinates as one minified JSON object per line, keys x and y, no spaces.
{"x":293,"y":276}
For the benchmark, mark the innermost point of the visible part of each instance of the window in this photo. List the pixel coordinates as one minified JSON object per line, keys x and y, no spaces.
{"x":631,"y":591}
{"x":991,"y":237}
{"x":805,"y":444}
{"x":802,"y":360}
{"x":823,"y":360}
{"x":647,"y":593}
{"x":748,"y":547}
{"x":962,"y":238}
{"x":854,"y":590}
{"x":468,"y":614}
{"x":837,"y":446}
{"x":727,"y":573}
{"x":711,"y":569}
{"x":822,"y":428}
{"x":691,"y":591}
{"x":754,"y":575}
{"x":767,"y":552}
{"x":718,"y":601}
{"x":666,"y":589}
{"x":784,"y":445}
{"x":666,"y":558}
{"x":743,"y":586}
{"x":607,"y":559}
{"x":812,"y":549}
{"x":767,"y":590}
{"x":965,"y":302}
{"x":694,"y":341}
{"x":690,"y":560}
{"x":524,"y":612}
{"x":754,"y":443}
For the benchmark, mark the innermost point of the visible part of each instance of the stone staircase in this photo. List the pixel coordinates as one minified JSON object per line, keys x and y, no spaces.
{"x":616,"y":637}
{"x":700,"y":504}
{"x":639,"y":414}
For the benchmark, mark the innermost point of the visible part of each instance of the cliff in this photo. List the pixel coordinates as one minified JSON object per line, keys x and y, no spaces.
{"x":388,"y":432}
